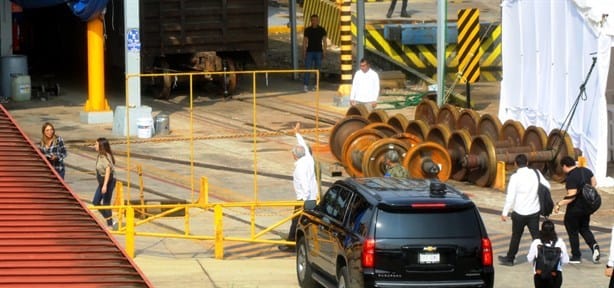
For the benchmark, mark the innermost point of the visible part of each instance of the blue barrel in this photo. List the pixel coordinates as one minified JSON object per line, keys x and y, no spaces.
{"x":14,"y":64}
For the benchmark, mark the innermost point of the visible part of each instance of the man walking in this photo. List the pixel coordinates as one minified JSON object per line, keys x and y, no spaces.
{"x":577,"y":217}
{"x":365,"y":86}
{"x":314,"y":46}
{"x":522,"y":199}
{"x":304,"y":180}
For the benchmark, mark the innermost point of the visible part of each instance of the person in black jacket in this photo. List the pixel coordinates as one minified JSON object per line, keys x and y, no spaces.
{"x":577,"y":217}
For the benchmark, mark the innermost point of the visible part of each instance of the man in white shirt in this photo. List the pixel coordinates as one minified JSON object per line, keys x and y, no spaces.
{"x":304,"y":180}
{"x":365,"y":86}
{"x":523,"y":200}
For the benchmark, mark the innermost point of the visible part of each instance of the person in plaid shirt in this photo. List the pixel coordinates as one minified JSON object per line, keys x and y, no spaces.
{"x":52,"y":146}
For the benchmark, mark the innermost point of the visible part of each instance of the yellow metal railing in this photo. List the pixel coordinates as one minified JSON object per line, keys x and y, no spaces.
{"x":191,"y":76}
{"x":125,"y":211}
{"x":127,"y":214}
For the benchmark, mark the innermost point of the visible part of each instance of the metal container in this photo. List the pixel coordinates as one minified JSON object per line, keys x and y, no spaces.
{"x":14,"y":64}
{"x":162,"y":124}
{"x":21,"y":88}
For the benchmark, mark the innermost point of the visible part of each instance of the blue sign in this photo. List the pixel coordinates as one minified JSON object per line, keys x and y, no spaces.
{"x":133,"y":42}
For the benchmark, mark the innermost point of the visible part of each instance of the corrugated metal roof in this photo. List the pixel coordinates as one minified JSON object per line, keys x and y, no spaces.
{"x":48,"y":237}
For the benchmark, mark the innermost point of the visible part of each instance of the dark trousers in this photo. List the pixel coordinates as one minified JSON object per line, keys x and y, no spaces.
{"x":292,"y":232}
{"x":105,"y":200}
{"x":313,"y":60}
{"x":555,"y":282}
{"x":518,"y":224}
{"x":393,"y":3}
{"x":576,"y":221}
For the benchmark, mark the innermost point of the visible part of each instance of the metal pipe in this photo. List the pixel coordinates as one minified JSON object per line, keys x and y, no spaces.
{"x":441,"y":49}
{"x":293,"y":40}
{"x":360,"y":34}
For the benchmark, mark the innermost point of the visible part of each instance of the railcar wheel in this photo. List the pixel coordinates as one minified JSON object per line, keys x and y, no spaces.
{"x":417,"y":128}
{"x":378,"y":116}
{"x":373,"y":161}
{"x":428,"y":160}
{"x":399,"y":122}
{"x":427,"y":111}
{"x":354,"y":149}
{"x":342,"y":130}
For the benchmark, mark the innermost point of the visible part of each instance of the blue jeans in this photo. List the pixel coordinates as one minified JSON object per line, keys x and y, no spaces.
{"x":313,"y":60}
{"x":105,"y":200}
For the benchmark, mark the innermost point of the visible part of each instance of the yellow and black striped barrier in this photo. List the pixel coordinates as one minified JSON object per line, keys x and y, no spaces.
{"x":424,"y":56}
{"x":468,"y":45}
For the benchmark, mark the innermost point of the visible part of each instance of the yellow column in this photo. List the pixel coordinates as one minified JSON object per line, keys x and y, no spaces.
{"x":96,"y":100}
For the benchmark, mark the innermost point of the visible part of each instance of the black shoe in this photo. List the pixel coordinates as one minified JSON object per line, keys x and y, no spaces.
{"x":404,"y":14}
{"x":575,"y":260}
{"x":286,"y":248}
{"x":507,"y":261}
{"x":389,"y":14}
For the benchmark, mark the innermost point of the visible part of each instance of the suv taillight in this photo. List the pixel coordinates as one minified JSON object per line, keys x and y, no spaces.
{"x":486,"y":252}
{"x":368,"y":253}
{"x":428,"y":205}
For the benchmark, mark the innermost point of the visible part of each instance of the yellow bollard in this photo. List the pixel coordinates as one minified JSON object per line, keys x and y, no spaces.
{"x":130,"y":231}
{"x":582,"y":161}
{"x":500,"y":177}
{"x":96,"y":100}
{"x":219,"y":232}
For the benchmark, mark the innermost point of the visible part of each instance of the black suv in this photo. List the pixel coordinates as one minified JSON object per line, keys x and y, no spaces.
{"x":389,"y":232}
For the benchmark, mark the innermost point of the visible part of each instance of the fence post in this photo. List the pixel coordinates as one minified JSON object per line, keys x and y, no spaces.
{"x":130,"y":231}
{"x":219,"y":233}
{"x":119,"y":201}
{"x":203,"y":197}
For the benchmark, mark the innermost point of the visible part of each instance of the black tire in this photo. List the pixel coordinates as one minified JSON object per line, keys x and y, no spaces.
{"x":303,"y":268}
{"x":343,"y":277}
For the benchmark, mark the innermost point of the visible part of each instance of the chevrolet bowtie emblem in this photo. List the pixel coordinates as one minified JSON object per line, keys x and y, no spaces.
{"x":430,"y":249}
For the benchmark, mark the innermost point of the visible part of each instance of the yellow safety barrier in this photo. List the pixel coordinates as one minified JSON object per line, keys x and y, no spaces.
{"x":125,"y":210}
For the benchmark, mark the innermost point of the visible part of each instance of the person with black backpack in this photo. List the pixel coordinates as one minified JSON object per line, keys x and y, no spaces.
{"x":548,"y":254}
{"x":578,"y":213}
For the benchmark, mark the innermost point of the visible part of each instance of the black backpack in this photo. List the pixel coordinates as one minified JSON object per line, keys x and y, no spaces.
{"x":546,"y":205}
{"x":592,"y":199}
{"x":590,"y":196}
{"x":547,"y":261}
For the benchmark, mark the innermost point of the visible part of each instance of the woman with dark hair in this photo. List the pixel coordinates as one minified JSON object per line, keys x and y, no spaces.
{"x":106,"y":179}
{"x":52,"y":146}
{"x":548,"y":238}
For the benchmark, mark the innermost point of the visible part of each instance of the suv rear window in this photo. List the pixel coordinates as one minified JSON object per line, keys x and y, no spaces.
{"x":427,"y":224}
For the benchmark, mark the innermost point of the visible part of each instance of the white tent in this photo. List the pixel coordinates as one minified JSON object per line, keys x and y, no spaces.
{"x":548,"y":50}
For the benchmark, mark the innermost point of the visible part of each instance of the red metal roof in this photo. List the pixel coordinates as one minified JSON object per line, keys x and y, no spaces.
{"x":48,"y":237}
